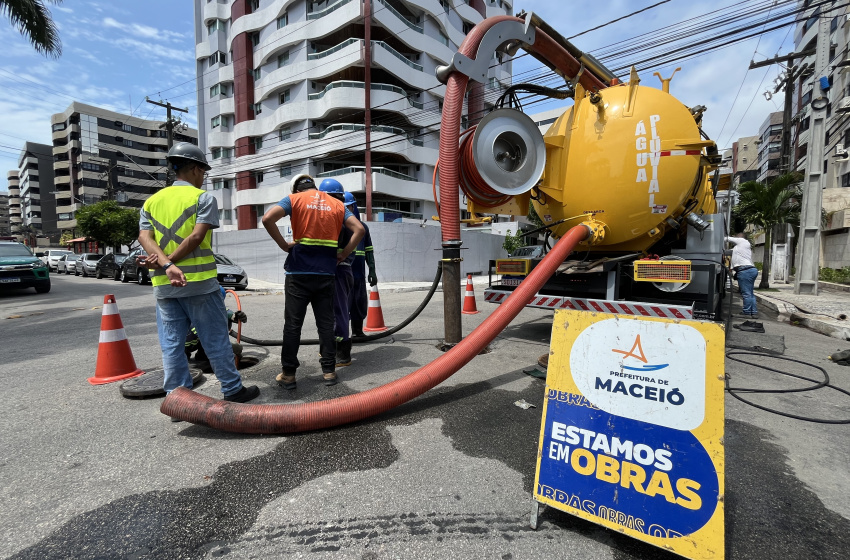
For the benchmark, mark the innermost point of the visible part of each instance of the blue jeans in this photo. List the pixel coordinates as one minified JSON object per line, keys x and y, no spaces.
{"x":747,"y":281}
{"x":209,"y":317}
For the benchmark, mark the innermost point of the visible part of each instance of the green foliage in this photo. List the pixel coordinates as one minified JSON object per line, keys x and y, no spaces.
{"x":759,"y":265}
{"x":108,"y":223}
{"x":33,"y":20}
{"x":513,"y":241}
{"x":532,"y":215}
{"x":837,"y":275}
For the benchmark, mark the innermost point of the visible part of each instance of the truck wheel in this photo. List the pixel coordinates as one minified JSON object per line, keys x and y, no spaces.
{"x":42,"y":289}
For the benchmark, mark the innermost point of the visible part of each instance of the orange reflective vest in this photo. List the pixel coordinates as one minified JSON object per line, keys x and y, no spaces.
{"x":317,"y":220}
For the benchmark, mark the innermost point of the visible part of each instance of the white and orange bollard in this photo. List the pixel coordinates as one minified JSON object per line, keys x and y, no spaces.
{"x":374,"y":316}
{"x":114,"y":358}
{"x":469,"y":307}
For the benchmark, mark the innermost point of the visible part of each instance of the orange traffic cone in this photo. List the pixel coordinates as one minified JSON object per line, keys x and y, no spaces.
{"x":114,"y":357}
{"x":469,"y":298}
{"x":374,"y":317}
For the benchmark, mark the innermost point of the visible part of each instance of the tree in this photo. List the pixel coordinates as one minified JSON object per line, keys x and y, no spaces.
{"x":768,"y":205}
{"x":33,"y":20}
{"x":108,"y":223}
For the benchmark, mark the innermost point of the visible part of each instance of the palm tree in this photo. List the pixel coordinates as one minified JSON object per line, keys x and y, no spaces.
{"x":767,"y":205}
{"x":33,"y":20}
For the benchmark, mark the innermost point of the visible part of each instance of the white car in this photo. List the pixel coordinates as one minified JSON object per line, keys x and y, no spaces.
{"x":52,"y":256}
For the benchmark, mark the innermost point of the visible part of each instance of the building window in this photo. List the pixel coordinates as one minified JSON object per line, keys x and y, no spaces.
{"x":445,"y":5}
{"x":257,"y":141}
{"x":215,"y":122}
{"x":58,"y":127}
{"x":254,"y":5}
{"x":126,"y":128}
{"x":218,"y":153}
{"x":807,"y":98}
{"x":467,"y":27}
{"x":225,"y":214}
{"x":258,"y":108}
{"x":215,"y":25}
{"x":285,"y":133}
{"x":284,"y":97}
{"x":286,"y":170}
{"x":283,"y":20}
{"x":215,"y":90}
{"x":255,"y":39}
{"x":845,"y":180}
{"x":743,"y":160}
{"x":283,"y":59}
{"x":218,"y":57}
{"x":259,"y":177}
{"x":217,"y":184}
{"x":255,"y":74}
{"x":443,"y":38}
{"x":128,"y":143}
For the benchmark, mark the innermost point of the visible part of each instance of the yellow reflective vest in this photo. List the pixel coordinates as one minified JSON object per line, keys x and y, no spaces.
{"x":173,"y":212}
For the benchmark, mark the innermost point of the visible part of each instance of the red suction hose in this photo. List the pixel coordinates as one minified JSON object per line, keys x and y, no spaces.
{"x":190,"y":406}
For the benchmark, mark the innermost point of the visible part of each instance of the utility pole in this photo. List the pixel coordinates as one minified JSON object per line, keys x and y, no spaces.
{"x":792,"y":74}
{"x":169,"y":128}
{"x":808,"y":255}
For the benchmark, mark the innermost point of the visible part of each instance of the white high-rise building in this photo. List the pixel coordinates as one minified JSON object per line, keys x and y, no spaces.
{"x":284,"y":86}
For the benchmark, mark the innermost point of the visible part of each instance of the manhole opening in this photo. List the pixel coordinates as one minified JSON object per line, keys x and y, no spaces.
{"x":444,"y":346}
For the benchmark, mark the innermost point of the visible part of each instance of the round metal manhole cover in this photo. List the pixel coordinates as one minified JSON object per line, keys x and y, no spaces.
{"x":150,"y":384}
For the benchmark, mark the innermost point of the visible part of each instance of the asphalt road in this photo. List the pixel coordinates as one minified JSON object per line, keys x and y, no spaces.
{"x":88,"y":473}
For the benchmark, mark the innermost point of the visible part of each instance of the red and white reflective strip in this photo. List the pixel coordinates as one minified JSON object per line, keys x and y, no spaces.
{"x":495,"y":296}
{"x":598,"y":305}
{"x":110,"y":309}
{"x":680,"y":153}
{"x":629,"y":308}
{"x":469,"y":293}
{"x":374,"y":303}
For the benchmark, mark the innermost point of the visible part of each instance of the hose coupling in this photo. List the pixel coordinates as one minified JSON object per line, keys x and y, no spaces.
{"x":596,"y":231}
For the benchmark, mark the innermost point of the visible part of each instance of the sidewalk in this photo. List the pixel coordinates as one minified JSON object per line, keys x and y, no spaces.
{"x":383,"y":287}
{"x":821,"y":313}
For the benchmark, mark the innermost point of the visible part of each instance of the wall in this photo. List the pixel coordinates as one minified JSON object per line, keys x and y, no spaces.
{"x":836,"y":250}
{"x":404,"y":252}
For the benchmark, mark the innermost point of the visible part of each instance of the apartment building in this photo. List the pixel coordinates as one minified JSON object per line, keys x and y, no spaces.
{"x":32,"y":208}
{"x":283,"y":87}
{"x":745,"y":162}
{"x":835,"y":87}
{"x":4,"y":215}
{"x":104,"y":155}
{"x":769,"y":147}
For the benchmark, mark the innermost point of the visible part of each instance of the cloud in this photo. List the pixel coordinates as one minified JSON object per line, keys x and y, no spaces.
{"x":144,"y":31}
{"x":145,"y":50}
{"x":63,"y":9}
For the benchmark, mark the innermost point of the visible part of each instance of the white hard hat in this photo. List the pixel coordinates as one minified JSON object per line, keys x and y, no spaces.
{"x":300,"y":180}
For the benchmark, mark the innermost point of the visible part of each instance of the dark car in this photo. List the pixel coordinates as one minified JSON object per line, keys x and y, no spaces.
{"x":19,"y":268}
{"x":132,"y":271}
{"x":230,"y":274}
{"x":110,"y":266}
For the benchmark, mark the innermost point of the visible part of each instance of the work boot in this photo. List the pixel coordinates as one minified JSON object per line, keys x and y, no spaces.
{"x":357,"y":330}
{"x":286,"y":380}
{"x":330,"y":378}
{"x":343,"y":353}
{"x":244,"y":394}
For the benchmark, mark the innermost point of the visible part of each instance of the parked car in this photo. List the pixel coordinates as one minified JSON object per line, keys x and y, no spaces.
{"x":110,"y":266}
{"x":52,"y":256}
{"x":87,"y":263}
{"x":19,"y":268}
{"x":230,"y":274}
{"x":71,"y":262}
{"x":60,"y":264}
{"x":132,"y":271}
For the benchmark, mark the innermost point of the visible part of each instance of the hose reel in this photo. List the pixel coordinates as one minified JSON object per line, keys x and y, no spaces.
{"x":503,"y":157}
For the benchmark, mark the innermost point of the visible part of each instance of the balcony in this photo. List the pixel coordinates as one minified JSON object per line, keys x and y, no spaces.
{"x":398,"y":55}
{"x":396,"y":13}
{"x":330,"y":51}
{"x":361,"y":169}
{"x":332,"y":8}
{"x":362,"y":85}
{"x":362,"y":127}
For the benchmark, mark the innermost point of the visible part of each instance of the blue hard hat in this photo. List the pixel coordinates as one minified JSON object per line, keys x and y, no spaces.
{"x":331,"y":186}
{"x":349,"y":199}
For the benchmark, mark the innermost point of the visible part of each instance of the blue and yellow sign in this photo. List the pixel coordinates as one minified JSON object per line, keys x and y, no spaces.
{"x":632,"y":432}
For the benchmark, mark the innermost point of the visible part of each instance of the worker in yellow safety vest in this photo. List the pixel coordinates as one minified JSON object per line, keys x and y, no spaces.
{"x":175,"y":228}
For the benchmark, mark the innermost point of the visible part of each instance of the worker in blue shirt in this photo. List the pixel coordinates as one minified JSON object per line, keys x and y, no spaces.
{"x":363,"y":255}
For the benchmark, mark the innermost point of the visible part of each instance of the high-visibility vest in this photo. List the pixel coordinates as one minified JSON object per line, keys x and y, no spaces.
{"x":173,"y":212}
{"x":317,"y":219}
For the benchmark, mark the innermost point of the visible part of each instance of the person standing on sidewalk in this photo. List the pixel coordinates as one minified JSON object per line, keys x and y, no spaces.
{"x":317,"y":220}
{"x":175,"y":228}
{"x":745,"y":272}
{"x":364,"y":254}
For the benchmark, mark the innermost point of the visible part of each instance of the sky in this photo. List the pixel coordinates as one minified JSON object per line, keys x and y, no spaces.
{"x":116,"y":52}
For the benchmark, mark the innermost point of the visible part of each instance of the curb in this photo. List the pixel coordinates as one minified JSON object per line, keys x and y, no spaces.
{"x":789,"y":313}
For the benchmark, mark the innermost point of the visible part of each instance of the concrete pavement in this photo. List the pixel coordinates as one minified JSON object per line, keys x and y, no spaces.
{"x":827,"y":313}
